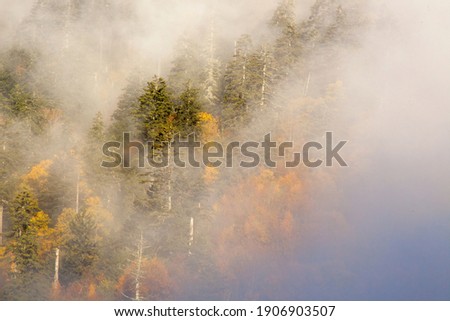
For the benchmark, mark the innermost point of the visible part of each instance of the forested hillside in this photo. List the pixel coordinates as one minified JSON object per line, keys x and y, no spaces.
{"x":71,"y":80}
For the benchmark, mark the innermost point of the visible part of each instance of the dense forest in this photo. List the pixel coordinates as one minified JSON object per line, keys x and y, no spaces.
{"x":70,"y":81}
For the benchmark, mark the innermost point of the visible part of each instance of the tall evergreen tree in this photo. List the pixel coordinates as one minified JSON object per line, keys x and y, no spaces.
{"x":235,"y":85}
{"x":24,"y":244}
{"x":187,"y":112}
{"x":287,"y":43}
{"x":80,"y":252}
{"x":155,"y":113}
{"x":211,"y":82}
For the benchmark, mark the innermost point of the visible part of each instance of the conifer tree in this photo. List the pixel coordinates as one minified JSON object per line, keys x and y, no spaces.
{"x":187,"y":112}
{"x":235,"y":89}
{"x":80,"y":252}
{"x":155,"y":113}
{"x":287,"y":43}
{"x":212,"y":73}
{"x":24,"y":243}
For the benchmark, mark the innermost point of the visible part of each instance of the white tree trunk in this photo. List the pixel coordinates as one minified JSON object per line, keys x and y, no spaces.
{"x":140,"y":249}
{"x":169,"y":182}
{"x":263,"y":86}
{"x":244,"y":70}
{"x":191,"y":234}
{"x":56,"y":276}
{"x":305,"y":92}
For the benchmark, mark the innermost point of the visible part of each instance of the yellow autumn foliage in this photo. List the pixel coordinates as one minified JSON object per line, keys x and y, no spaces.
{"x":62,"y":225}
{"x":40,"y":224}
{"x":209,"y":127}
{"x":37,"y":176}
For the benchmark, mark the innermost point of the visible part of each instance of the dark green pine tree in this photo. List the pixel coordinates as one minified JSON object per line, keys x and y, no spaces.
{"x":261,"y":79}
{"x":81,"y":249}
{"x":159,"y":118}
{"x":166,"y":117}
{"x":29,"y":279}
{"x":24,"y":244}
{"x":235,"y":86}
{"x":155,"y":113}
{"x":185,"y":182}
{"x":187,"y":112}
{"x":287,"y":47}
{"x":156,"y":124}
{"x":20,"y":100}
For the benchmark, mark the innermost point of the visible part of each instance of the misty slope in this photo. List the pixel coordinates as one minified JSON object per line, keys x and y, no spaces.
{"x":77,"y":74}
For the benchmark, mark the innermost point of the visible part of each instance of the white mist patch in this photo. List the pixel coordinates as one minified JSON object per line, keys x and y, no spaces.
{"x":395,"y":195}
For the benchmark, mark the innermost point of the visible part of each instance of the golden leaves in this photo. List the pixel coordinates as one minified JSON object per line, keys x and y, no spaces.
{"x":209,"y":127}
{"x":37,"y":176}
{"x":258,"y":216}
{"x":153,"y":278}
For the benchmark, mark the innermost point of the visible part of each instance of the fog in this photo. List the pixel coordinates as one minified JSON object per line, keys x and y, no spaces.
{"x":394,"y":195}
{"x":378,"y":229}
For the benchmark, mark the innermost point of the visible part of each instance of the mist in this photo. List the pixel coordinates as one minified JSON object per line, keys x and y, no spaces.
{"x":378,"y":229}
{"x":394,"y":195}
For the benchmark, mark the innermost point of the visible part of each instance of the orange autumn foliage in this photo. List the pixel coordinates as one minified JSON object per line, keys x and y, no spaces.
{"x":38,"y":174}
{"x":257,"y":217}
{"x":84,"y":289}
{"x":155,"y":283}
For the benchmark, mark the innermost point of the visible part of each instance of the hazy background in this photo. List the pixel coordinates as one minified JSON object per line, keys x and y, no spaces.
{"x":395,"y":194}
{"x":392,"y":202}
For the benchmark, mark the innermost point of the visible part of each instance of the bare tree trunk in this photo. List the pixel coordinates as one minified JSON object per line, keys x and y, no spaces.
{"x":191,"y":234}
{"x":169,"y":181}
{"x":212,"y":66}
{"x":305,"y":92}
{"x":244,"y":69}
{"x":263,"y":86}
{"x":140,"y":250}
{"x":56,"y":276}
